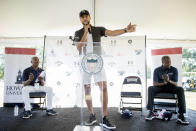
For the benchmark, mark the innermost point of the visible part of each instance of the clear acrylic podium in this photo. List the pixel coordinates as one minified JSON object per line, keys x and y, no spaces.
{"x":92,"y":75}
{"x":112,"y":60}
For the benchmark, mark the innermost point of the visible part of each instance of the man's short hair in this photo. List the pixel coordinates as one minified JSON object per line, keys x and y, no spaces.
{"x":164,"y":58}
{"x":34,"y":57}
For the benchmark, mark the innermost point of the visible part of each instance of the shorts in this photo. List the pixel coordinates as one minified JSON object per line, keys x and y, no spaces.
{"x":100,"y":76}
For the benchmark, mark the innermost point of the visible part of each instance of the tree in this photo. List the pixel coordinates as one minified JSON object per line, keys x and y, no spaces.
{"x":189,"y":61}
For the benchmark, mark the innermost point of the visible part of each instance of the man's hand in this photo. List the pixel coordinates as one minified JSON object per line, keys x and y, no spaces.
{"x":31,"y":77}
{"x":86,"y":27}
{"x":41,"y":79}
{"x":131,"y":28}
{"x":165,"y":83}
{"x":27,"y":82}
{"x":166,"y":77}
{"x":82,"y":42}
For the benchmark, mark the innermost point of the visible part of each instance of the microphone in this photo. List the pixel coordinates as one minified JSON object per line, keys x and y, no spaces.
{"x":85,"y":24}
{"x":73,"y":39}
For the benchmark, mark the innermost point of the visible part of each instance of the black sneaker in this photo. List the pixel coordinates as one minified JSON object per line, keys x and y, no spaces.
{"x":106,"y":124}
{"x":92,"y":120}
{"x":51,"y":112}
{"x":182,"y":120}
{"x":150,"y":116}
{"x":27,"y":114}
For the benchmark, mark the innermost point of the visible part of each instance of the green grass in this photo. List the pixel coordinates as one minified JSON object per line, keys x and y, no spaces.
{"x":192,"y":91}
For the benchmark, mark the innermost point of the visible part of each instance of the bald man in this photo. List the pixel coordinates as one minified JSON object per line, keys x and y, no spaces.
{"x":31,"y":76}
{"x":165,"y":80}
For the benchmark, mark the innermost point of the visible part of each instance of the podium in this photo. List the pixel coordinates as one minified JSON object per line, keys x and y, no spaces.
{"x":112,"y":60}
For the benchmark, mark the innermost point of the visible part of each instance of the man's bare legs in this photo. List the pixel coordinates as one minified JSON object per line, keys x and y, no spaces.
{"x":104,"y":100}
{"x":103,"y":87}
{"x":104,"y":94}
{"x":88,"y":98}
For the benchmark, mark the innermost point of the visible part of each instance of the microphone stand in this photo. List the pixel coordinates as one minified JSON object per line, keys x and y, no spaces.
{"x":72,"y":39}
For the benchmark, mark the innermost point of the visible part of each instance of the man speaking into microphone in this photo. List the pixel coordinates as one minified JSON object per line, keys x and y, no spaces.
{"x":89,"y":37}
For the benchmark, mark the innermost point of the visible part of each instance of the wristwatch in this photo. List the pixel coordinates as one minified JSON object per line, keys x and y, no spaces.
{"x":125,"y":29}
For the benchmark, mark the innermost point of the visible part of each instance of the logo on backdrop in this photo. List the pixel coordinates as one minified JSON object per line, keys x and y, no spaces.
{"x":19,"y":78}
{"x":130,"y":42}
{"x":92,"y":63}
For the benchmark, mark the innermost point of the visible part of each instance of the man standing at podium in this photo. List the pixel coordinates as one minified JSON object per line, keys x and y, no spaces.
{"x":88,"y":40}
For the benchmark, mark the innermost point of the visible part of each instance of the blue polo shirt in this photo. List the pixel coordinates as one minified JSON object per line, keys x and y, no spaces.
{"x":160,"y":71}
{"x":36,"y":73}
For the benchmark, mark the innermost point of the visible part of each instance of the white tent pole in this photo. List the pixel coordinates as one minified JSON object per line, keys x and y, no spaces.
{"x":93,"y":6}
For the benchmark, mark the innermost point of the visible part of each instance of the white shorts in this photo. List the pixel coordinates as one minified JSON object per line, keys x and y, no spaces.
{"x":86,"y":78}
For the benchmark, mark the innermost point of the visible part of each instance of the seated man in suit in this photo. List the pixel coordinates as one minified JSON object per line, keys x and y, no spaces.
{"x":30,"y":76}
{"x":165,"y":80}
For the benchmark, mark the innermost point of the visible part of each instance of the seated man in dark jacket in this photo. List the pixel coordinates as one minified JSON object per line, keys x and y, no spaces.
{"x":165,"y":80}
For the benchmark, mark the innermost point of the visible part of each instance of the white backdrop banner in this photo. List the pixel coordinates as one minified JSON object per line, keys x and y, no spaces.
{"x":122,"y":56}
{"x":176,"y":60}
{"x":16,"y":60}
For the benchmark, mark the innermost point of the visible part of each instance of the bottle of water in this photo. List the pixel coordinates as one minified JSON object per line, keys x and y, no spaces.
{"x":36,"y":85}
{"x":16,"y":110}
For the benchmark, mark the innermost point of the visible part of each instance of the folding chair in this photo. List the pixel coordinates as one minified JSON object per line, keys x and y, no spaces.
{"x":40,"y":96}
{"x":131,"y":89}
{"x":166,"y":96}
